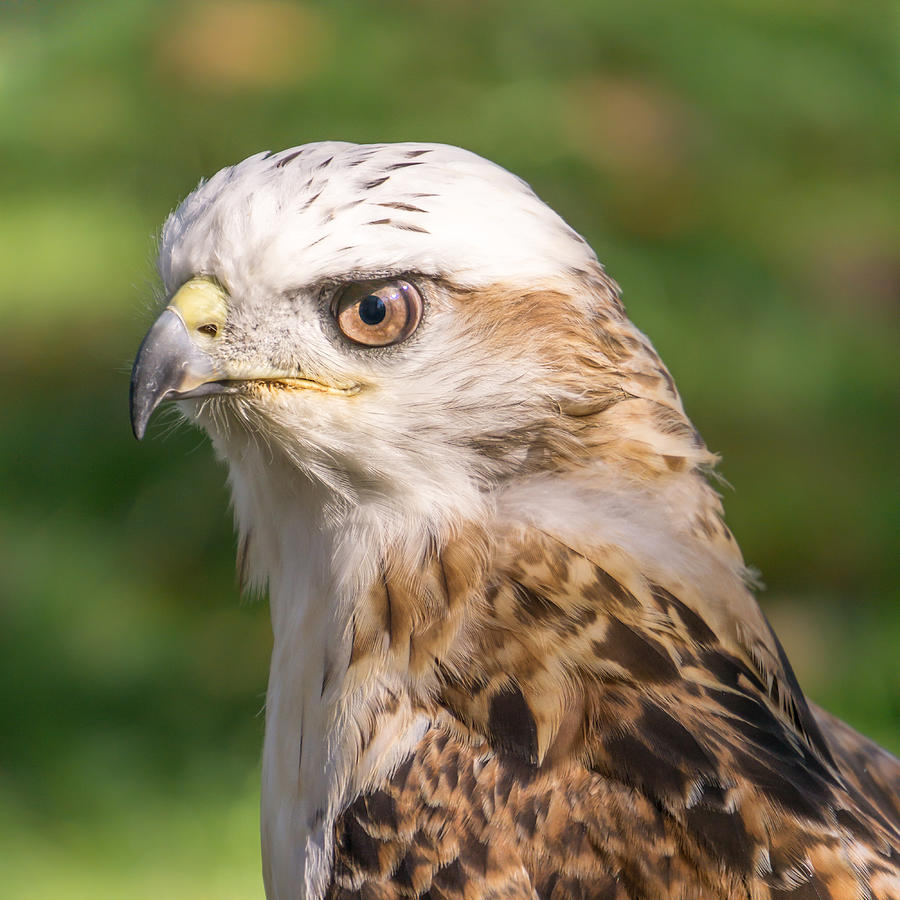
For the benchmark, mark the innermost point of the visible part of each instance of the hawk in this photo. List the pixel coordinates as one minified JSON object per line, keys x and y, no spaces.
{"x":516,"y":651}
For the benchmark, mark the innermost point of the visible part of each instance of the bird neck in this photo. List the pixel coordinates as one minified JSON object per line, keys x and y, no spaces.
{"x":380,"y":631}
{"x":334,"y":724}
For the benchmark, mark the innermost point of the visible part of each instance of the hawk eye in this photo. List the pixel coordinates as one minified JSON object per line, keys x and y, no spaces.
{"x":378,"y":313}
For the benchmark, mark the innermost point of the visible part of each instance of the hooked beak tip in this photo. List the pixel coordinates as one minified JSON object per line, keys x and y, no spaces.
{"x":168,"y":365}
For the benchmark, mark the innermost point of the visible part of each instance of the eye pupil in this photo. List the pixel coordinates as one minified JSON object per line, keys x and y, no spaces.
{"x":372,"y":309}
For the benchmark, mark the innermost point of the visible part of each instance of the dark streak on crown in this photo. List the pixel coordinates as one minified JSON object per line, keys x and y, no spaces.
{"x":404,"y":206}
{"x":286,"y":159}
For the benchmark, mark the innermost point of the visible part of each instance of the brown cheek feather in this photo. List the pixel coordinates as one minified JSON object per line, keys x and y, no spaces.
{"x":611,"y":394}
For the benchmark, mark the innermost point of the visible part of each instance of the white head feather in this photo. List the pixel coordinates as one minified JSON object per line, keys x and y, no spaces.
{"x":332,"y":209}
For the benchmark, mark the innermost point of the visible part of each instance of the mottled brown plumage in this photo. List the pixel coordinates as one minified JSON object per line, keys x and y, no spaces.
{"x":598,"y":740}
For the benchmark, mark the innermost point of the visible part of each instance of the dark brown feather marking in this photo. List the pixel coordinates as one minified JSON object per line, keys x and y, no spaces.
{"x":608,"y":585}
{"x":407,"y":226}
{"x":799,"y":708}
{"x":403,"y":226}
{"x":785,"y":782}
{"x":407,"y":207}
{"x":379,"y":810}
{"x":724,"y":834}
{"x":310,"y":202}
{"x":634,"y":762}
{"x":450,"y":878}
{"x":286,"y":159}
{"x":666,"y":733}
{"x":360,"y":847}
{"x":642,"y":657}
{"x":511,"y":723}
{"x":696,"y":627}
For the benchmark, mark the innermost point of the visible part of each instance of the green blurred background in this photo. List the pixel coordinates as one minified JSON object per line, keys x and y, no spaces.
{"x":735,"y":164}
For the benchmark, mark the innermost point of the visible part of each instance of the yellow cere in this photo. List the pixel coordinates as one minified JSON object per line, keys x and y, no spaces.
{"x":202,"y":306}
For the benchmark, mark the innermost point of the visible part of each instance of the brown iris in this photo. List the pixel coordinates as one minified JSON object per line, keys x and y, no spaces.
{"x":378,"y":313}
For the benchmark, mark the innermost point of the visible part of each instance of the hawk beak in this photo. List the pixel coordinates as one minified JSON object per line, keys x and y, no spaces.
{"x":174,"y":361}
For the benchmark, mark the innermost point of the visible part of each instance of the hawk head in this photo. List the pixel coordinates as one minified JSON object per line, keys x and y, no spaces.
{"x":406,"y":327}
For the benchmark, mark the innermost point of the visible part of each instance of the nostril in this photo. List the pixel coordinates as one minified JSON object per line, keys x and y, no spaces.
{"x":209,"y":329}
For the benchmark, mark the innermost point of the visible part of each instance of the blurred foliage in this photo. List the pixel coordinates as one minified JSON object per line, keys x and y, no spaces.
{"x":734,"y":163}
